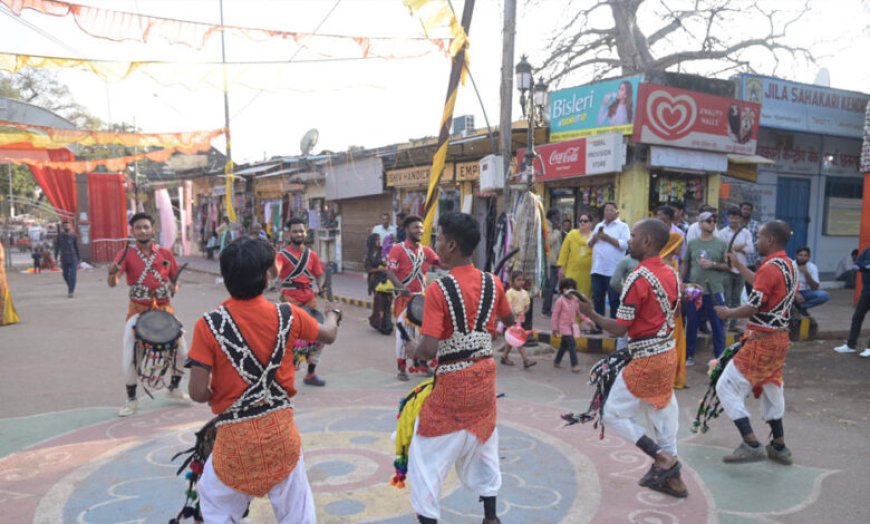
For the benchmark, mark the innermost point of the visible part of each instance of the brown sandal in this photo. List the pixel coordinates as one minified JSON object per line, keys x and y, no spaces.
{"x":506,"y":361}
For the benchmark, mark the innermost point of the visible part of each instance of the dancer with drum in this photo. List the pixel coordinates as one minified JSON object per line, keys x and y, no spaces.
{"x":240,"y":355}
{"x":152,"y":274}
{"x":297,"y":268}
{"x":644,"y":387}
{"x":757,"y":366}
{"x":457,"y":423}
{"x":407,"y":265}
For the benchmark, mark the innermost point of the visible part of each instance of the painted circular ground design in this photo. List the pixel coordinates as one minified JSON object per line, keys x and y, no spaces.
{"x":121,"y":470}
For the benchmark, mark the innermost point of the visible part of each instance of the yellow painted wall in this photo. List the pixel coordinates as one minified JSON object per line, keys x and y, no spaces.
{"x":713,"y":183}
{"x":632,"y":193}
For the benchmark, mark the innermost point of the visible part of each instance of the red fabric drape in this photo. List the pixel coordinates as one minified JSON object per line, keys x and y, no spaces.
{"x":59,"y":185}
{"x":108,"y":214}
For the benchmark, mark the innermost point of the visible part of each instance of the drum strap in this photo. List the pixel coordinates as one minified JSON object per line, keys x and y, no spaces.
{"x":300,"y":266}
{"x":264,"y":393}
{"x":416,"y":265}
{"x":461,"y":349}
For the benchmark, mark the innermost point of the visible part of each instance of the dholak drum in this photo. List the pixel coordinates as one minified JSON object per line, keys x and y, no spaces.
{"x":158,"y":330}
{"x":308,"y":350}
{"x":414,"y":311}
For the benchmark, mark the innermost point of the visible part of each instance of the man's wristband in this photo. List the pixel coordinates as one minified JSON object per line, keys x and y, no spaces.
{"x":338,"y":314}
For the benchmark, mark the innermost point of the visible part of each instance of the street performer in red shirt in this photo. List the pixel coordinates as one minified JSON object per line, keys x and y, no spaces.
{"x":242,"y":365}
{"x":644,"y":388}
{"x":297,"y":267}
{"x":407,"y":265}
{"x":456,"y":425}
{"x":151,"y":274}
{"x":757,"y":366}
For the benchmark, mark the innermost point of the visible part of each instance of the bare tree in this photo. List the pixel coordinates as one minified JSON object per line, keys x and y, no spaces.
{"x":722,"y":33}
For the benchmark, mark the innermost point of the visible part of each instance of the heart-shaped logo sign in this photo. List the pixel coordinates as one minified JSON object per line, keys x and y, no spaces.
{"x":669,"y":116}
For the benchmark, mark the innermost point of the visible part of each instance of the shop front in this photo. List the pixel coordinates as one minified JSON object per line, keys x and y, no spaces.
{"x":812,"y":134}
{"x":688,"y":138}
{"x":579,"y":175}
{"x":355,"y":185}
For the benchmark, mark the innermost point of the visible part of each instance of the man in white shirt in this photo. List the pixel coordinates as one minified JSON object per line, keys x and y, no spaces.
{"x":608,"y":241}
{"x":739,"y":240}
{"x":809,"y":282}
{"x":385,"y":228}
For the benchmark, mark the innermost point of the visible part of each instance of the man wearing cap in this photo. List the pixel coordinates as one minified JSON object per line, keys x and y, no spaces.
{"x":705,"y":267}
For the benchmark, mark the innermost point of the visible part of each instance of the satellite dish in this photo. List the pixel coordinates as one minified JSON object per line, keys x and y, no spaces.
{"x":309,"y":140}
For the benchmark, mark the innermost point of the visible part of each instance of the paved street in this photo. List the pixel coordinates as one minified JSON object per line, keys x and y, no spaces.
{"x":66,"y":457}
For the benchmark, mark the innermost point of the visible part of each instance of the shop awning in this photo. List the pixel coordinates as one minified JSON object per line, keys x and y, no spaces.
{"x":745,"y":167}
{"x":255,"y":169}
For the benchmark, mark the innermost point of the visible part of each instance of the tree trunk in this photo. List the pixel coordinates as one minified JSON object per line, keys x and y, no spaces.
{"x":631,"y":44}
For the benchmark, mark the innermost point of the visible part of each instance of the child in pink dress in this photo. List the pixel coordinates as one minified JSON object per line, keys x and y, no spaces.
{"x":566,"y":313}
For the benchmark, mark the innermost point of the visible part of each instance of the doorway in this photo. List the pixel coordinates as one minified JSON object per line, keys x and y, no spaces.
{"x":793,"y":207}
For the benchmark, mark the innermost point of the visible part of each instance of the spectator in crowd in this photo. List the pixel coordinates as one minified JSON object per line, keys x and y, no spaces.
{"x":617,"y":279}
{"x":575,"y":257}
{"x":567,"y":226}
{"x":385,"y":228}
{"x":379,"y":286}
{"x":258,"y":233}
{"x":67,"y":248}
{"x":861,"y":308}
{"x":225,"y":233}
{"x":679,"y":219}
{"x":668,"y":215}
{"x":739,"y":241}
{"x":212,"y":245}
{"x":705,"y":266}
{"x":694,"y":229}
{"x":609,"y":242}
{"x":809,"y":282}
{"x":554,"y":244}
{"x":36,"y":255}
{"x":847,"y":270}
{"x":400,"y":234}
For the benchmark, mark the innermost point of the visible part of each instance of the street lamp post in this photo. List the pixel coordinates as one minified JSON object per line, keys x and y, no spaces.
{"x":533,"y":109}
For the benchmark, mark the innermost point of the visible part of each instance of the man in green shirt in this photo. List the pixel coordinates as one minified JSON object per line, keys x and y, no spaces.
{"x":706,"y":266}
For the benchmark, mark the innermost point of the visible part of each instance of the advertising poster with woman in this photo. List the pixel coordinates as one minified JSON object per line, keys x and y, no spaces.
{"x":592,"y":109}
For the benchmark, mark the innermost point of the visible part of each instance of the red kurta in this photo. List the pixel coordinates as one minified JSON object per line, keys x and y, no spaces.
{"x":461,"y":399}
{"x":304,"y":294}
{"x":399,"y":263}
{"x":764,"y":349}
{"x":650,"y":378}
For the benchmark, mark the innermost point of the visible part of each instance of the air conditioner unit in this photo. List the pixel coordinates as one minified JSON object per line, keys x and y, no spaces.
{"x":491,"y":173}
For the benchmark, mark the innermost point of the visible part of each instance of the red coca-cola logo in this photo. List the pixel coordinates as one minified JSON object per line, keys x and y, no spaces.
{"x":670,"y":117}
{"x":572,"y":154}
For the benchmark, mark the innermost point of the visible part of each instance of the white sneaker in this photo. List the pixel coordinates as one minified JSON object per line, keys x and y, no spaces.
{"x":176,"y":394}
{"x":844,"y":349}
{"x":130,"y":408}
{"x":865,"y":353}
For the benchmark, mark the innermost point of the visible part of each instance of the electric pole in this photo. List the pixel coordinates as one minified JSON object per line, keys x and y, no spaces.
{"x":507,"y":87}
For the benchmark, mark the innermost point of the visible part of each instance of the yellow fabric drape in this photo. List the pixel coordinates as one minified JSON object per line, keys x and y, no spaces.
{"x":8,"y":315}
{"x":669,"y":255}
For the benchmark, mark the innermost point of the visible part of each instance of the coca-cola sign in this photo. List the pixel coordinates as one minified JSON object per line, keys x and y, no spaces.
{"x":583,"y":156}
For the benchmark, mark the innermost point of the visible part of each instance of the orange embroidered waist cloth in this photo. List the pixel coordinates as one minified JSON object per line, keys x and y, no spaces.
{"x":761,"y":358}
{"x":136,"y":307}
{"x":253,"y":455}
{"x":651,"y":379}
{"x":460,"y":400}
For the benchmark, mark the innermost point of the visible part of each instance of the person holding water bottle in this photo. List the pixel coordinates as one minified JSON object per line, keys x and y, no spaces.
{"x":705,"y":265}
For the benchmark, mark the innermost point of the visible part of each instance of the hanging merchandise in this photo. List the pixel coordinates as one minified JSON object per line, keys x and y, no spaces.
{"x":528,"y":235}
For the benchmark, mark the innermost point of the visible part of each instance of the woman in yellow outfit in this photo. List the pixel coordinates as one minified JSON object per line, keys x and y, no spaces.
{"x":7,"y":310}
{"x":575,"y":258}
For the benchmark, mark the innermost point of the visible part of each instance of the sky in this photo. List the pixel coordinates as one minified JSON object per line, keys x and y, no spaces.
{"x":370,"y":102}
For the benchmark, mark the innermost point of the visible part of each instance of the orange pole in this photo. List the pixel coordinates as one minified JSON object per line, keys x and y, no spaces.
{"x":864,"y":236}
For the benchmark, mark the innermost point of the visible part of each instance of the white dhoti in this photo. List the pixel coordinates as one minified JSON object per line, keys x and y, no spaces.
{"x":430,"y":459}
{"x":733,"y":388}
{"x":292,"y":500}
{"x":623,"y":410}
{"x":128,"y":361}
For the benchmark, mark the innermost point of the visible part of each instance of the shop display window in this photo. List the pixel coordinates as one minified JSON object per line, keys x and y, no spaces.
{"x":691,"y":190}
{"x":843,"y":198}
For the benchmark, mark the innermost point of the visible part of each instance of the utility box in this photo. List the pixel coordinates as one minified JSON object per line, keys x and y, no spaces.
{"x":491,"y":173}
